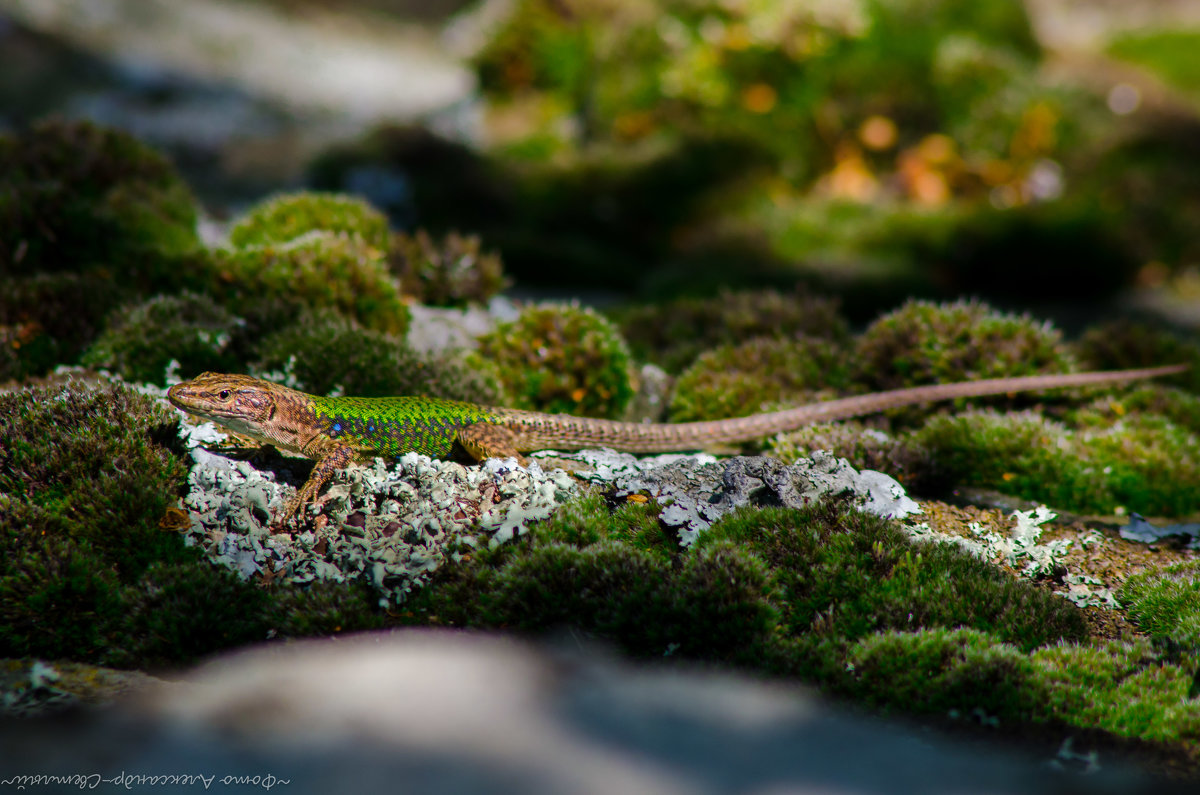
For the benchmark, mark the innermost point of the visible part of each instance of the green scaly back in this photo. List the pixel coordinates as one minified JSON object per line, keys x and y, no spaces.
{"x":392,"y":426}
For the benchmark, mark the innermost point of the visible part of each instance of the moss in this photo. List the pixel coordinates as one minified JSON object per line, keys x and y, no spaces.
{"x":673,"y":334}
{"x":588,"y":520}
{"x":1146,"y":464}
{"x":1180,"y":407}
{"x":141,"y":341}
{"x":927,"y":343}
{"x":936,"y":671}
{"x":324,"y":353}
{"x":736,"y":380}
{"x":284,"y":218}
{"x":75,"y":196}
{"x":1165,"y":603}
{"x":843,"y":575}
{"x":455,"y":271}
{"x":90,"y":457}
{"x":1123,"y":688}
{"x":615,"y":575}
{"x":176,"y":613}
{"x":1123,"y":344}
{"x":318,"y":270}
{"x":562,"y":358}
{"x":784,"y":591}
{"x":863,"y":447}
{"x":55,"y":601}
{"x":86,"y":570}
{"x":49,"y":319}
{"x":325,"y":608}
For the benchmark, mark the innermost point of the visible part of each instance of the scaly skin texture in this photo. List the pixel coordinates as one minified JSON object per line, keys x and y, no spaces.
{"x":335,"y":431}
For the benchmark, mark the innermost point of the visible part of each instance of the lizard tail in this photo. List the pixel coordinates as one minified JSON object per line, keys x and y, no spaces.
{"x":649,"y":437}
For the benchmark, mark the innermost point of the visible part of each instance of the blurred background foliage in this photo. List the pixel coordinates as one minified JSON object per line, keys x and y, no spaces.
{"x":659,"y":149}
{"x":880,"y":148}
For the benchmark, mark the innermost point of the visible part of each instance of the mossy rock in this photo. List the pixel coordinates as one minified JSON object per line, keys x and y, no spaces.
{"x":141,"y":341}
{"x":325,"y":353}
{"x":1147,"y":464}
{"x":286,"y":217}
{"x":76,"y":196}
{"x":674,"y":333}
{"x":928,"y":343}
{"x":943,"y":670}
{"x":785,"y":591}
{"x":1165,"y":603}
{"x":89,"y":572}
{"x":757,"y":375}
{"x":94,"y":458}
{"x":562,"y":358}
{"x":1125,"y":688}
{"x":454,"y":271}
{"x":318,"y":270}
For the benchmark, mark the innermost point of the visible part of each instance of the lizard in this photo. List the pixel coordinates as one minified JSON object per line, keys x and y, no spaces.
{"x":336,"y":431}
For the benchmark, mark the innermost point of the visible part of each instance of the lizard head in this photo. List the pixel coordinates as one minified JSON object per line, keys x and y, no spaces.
{"x":241,"y":403}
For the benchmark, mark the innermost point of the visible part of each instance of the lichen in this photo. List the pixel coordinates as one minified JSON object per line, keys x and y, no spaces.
{"x":389,"y":526}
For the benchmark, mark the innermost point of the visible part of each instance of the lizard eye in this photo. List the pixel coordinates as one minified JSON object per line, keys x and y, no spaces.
{"x":224,"y":394}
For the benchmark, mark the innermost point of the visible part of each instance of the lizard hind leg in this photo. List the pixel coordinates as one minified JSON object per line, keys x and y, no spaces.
{"x":485,"y":440}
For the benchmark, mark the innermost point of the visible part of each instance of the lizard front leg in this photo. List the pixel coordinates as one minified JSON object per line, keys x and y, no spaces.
{"x":333,"y":460}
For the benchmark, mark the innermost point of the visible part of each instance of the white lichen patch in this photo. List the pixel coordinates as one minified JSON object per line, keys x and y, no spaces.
{"x":1019,"y":550}
{"x":697,"y":490}
{"x":392,"y":525}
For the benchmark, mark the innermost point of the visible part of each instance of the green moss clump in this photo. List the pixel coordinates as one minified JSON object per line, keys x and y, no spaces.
{"x":736,"y":380}
{"x":75,"y":196}
{"x":89,"y":217}
{"x":928,"y":343}
{"x":1123,"y":688}
{"x":325,"y":608}
{"x":87,"y":572}
{"x":673,"y":334}
{"x":562,"y":358}
{"x":455,"y":271}
{"x":1124,"y":344}
{"x":938,"y":670}
{"x":49,"y":319}
{"x":843,"y":575}
{"x":576,"y":571}
{"x":785,"y":591}
{"x":54,"y":600}
{"x":317,"y":270}
{"x":287,"y":217}
{"x":324,"y":353}
{"x":176,"y":613}
{"x":88,"y":458}
{"x":1180,"y":407}
{"x":84,"y":486}
{"x":1147,"y":464}
{"x":141,"y":341}
{"x":1165,"y":603}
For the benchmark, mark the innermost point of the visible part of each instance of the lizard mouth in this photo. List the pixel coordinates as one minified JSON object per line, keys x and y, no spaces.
{"x":181,"y":398}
